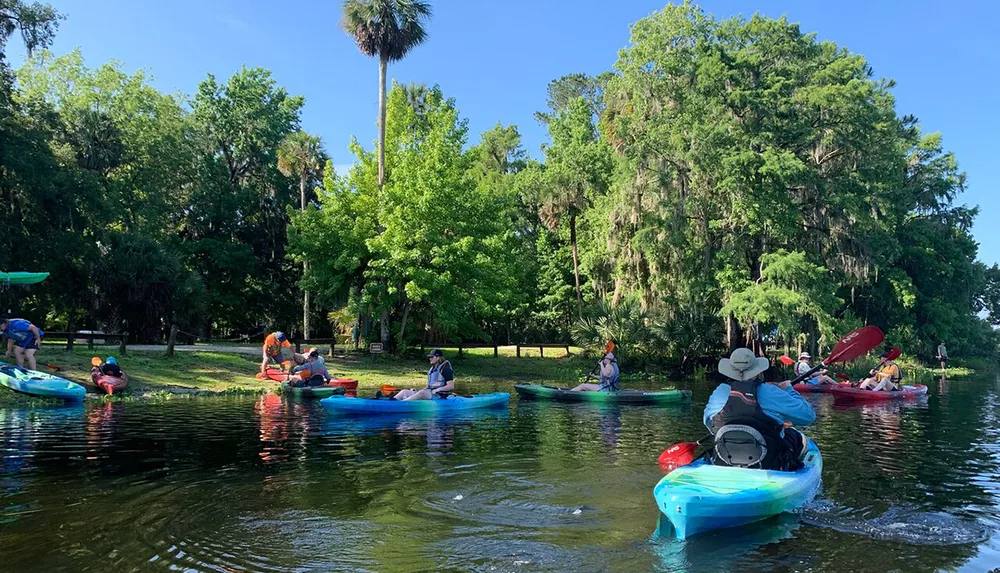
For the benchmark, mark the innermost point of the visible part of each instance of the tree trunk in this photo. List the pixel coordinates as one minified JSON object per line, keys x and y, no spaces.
{"x":402,"y":327}
{"x":732,"y":333}
{"x":576,"y":264}
{"x":617,"y":297}
{"x":384,"y":326}
{"x":383,"y":64}
{"x":303,"y":180}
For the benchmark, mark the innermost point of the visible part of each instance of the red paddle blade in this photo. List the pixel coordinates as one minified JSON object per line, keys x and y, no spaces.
{"x":893,"y":353}
{"x":609,"y":347}
{"x":787,"y":361}
{"x":855,"y":343}
{"x":842,"y":376}
{"x":677,"y":455}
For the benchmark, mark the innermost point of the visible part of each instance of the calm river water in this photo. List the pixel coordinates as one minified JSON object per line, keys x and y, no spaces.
{"x":267,"y":484}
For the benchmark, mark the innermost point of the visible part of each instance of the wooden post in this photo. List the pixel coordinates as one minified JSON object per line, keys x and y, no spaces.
{"x":496,"y":351}
{"x":69,"y":342}
{"x":122,"y":341}
{"x":567,"y":350}
{"x":333,"y":348}
{"x":90,"y":342}
{"x":518,"y":347}
{"x":171,"y":341}
{"x":459,"y":350}
{"x":298,"y":347}
{"x":541,"y":350}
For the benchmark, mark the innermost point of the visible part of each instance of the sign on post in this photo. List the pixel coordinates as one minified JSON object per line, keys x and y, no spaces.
{"x":375,"y":348}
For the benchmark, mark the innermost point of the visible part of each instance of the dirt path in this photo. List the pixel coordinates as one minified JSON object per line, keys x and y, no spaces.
{"x":199,"y":348}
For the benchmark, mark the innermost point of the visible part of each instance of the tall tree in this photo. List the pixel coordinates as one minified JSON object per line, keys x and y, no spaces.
{"x":578,"y":166}
{"x":388,"y":30}
{"x":301,"y":155}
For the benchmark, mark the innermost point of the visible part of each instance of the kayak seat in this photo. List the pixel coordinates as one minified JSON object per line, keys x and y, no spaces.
{"x":739,"y":445}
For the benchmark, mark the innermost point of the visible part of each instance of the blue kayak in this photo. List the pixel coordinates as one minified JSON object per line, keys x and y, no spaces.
{"x":342,"y":405}
{"x":39,"y":384}
{"x":702,"y":497}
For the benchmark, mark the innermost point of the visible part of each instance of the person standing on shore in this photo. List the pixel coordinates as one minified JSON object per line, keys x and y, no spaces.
{"x":942,"y":355}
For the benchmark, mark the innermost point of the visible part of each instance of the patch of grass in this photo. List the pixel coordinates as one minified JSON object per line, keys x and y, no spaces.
{"x":154,"y":376}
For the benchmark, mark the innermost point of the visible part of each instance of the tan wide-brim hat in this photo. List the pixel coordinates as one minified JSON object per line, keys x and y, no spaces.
{"x":742,"y":364}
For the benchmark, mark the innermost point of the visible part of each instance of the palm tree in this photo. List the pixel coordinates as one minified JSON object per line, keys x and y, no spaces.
{"x":302,"y":154}
{"x":387,"y":29}
{"x":564,"y":197}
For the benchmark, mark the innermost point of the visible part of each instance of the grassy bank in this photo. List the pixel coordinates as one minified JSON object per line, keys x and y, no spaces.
{"x":153,"y":375}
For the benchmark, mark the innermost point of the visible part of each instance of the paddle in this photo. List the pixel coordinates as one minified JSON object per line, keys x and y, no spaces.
{"x":679,"y":455}
{"x":842,"y":376}
{"x":609,"y":347}
{"x":852,"y":345}
{"x":52,"y":367}
{"x":95,"y":361}
{"x":786,"y":360}
{"x":893,"y":354}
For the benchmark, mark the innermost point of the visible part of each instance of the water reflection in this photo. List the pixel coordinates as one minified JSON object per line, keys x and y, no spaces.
{"x":269,"y":484}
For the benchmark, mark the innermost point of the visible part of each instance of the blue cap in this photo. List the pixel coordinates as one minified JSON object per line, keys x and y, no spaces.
{"x":111,"y":360}
{"x":280,"y":336}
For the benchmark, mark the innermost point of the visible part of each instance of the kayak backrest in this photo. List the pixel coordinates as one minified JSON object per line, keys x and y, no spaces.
{"x":738,"y":445}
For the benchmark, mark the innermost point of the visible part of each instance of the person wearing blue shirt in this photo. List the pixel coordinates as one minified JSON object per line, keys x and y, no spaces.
{"x":760,"y":410}
{"x":23,"y":338}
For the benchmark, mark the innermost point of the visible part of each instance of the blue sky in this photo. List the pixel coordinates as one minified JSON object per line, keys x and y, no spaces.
{"x":496,"y":58}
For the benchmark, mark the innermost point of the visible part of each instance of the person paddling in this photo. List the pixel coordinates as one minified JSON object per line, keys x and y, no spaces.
{"x":886,"y":377}
{"x":440,"y":380}
{"x":803,"y":366}
{"x":609,"y":375}
{"x":23,"y":338}
{"x":747,"y":417}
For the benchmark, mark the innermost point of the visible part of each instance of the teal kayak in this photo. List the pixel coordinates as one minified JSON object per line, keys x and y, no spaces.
{"x":324,"y":391}
{"x":39,"y":384}
{"x":453,"y":403}
{"x":702,"y":497}
{"x":22,"y":278}
{"x":539,"y":392}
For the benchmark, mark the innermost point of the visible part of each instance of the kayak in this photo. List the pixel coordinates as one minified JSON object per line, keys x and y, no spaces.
{"x":849,"y":392}
{"x":22,"y":278}
{"x":803,"y":388}
{"x":342,"y":405}
{"x":539,"y":392}
{"x":324,"y":391}
{"x":349,"y":384}
{"x":702,"y":497}
{"x":39,"y":384}
{"x":108,"y":384}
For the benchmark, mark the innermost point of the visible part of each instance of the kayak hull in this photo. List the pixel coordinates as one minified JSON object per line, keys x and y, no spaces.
{"x":108,"y":384}
{"x":851,"y":393}
{"x":803,"y":388}
{"x":540,"y":392}
{"x":277,"y":375}
{"x":702,"y":497}
{"x":39,"y":384}
{"x":313,"y":392}
{"x":22,"y":278}
{"x":370,"y":406}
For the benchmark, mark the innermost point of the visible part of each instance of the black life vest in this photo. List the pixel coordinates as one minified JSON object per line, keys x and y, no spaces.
{"x":744,"y":435}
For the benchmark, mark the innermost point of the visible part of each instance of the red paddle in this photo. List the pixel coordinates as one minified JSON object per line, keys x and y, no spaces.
{"x":842,"y":376}
{"x":679,"y":455}
{"x":786,"y":360}
{"x":852,"y":345}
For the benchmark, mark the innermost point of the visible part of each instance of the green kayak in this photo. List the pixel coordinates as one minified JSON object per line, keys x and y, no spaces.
{"x":21,"y":278}
{"x":313,"y":391}
{"x":539,"y":392}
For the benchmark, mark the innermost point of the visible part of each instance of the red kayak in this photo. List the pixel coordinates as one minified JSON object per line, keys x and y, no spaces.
{"x":851,"y":393}
{"x":803,"y":388}
{"x":109,"y":384}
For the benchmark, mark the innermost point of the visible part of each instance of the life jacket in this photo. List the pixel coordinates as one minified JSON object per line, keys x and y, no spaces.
{"x":744,"y":435}
{"x":610,"y":383}
{"x":434,"y":378}
{"x":895,"y":378}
